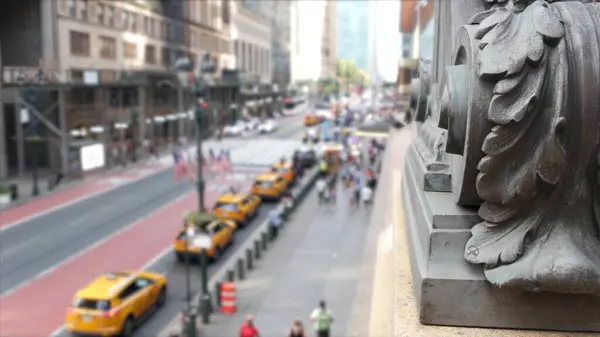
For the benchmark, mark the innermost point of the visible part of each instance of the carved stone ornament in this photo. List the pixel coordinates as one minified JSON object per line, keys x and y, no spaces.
{"x":538,"y":176}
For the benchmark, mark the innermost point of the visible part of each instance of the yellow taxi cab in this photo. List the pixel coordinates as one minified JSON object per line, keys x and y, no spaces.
{"x":269,"y":186}
{"x":286,"y":170}
{"x":203,"y":226}
{"x":238,"y":207}
{"x":115,"y":302}
{"x":311,"y":119}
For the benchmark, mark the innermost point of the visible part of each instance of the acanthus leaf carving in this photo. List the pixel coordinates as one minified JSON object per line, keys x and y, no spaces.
{"x":540,"y":228}
{"x":525,"y":153}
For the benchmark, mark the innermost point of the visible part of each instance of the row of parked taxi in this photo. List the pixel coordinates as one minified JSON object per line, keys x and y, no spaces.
{"x":232,"y":211}
{"x":116,"y":302}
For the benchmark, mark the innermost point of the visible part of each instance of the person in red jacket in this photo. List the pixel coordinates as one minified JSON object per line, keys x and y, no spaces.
{"x":248,"y":329}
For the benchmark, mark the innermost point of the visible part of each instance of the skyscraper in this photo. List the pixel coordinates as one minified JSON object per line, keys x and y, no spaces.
{"x":353,"y":32}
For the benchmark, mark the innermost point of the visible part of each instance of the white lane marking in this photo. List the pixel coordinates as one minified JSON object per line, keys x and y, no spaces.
{"x":5,"y":253}
{"x":6,"y":227}
{"x":89,"y":248}
{"x":147,"y":266}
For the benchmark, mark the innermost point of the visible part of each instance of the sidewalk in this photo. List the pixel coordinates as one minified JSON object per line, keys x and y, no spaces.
{"x":317,"y":257}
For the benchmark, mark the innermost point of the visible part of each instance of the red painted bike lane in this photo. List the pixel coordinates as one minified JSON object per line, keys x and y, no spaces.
{"x":62,"y":198}
{"x":39,"y":308}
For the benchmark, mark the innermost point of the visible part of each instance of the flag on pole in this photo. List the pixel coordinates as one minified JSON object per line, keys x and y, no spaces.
{"x":227,"y":160}
{"x":211,"y":156}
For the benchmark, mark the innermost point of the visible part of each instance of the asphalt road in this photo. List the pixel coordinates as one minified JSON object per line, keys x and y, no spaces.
{"x":175,"y":272}
{"x":32,"y":247}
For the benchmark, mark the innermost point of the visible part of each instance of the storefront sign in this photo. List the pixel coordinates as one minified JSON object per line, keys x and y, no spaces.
{"x":92,"y":157}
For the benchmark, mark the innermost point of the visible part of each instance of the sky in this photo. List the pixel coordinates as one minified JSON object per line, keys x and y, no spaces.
{"x":387,"y":16}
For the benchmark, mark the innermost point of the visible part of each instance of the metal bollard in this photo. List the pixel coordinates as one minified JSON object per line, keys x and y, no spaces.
{"x":230,"y":275}
{"x":218,"y":294}
{"x":263,"y":238}
{"x":240,"y":268}
{"x":249,"y":258}
{"x":257,"y":249}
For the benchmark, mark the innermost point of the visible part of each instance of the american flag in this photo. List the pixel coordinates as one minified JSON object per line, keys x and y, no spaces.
{"x":223,"y":162}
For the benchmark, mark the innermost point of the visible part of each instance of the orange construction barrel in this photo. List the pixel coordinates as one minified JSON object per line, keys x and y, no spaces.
{"x":228,"y":300}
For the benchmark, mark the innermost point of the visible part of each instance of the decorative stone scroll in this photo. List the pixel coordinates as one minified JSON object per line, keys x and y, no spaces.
{"x":514,"y":106}
{"x":538,"y":176}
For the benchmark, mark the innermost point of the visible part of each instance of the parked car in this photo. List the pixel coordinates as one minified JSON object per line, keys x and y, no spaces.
{"x":270,"y":186}
{"x":234,"y":129}
{"x":116,"y":303}
{"x":306,"y":156}
{"x":252,"y":123}
{"x":218,"y":231}
{"x":238,"y":207}
{"x":267,"y":126}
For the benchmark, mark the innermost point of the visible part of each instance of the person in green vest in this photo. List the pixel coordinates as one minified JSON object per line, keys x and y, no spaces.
{"x":323,"y":167}
{"x":322,"y":319}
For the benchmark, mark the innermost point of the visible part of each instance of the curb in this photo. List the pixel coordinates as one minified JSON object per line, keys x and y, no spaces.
{"x":238,"y":265}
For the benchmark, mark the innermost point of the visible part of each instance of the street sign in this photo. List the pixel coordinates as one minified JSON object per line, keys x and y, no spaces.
{"x":202,"y":241}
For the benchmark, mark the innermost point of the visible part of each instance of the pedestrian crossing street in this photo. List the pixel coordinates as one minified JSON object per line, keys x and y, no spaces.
{"x":254,"y":152}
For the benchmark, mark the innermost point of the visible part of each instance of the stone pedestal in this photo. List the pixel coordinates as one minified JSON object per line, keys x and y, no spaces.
{"x":500,"y":191}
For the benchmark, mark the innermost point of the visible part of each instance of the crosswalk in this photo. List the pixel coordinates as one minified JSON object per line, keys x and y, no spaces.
{"x":254,"y":152}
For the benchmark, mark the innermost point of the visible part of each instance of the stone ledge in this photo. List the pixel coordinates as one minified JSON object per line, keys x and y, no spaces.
{"x":407,"y":315}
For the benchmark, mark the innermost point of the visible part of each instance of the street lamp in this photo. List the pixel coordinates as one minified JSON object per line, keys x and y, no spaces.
{"x":185,"y":74}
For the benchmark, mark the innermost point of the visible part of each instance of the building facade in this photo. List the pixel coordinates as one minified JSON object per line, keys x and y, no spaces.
{"x":109,"y":69}
{"x":329,"y":42}
{"x":308,"y":21}
{"x":251,"y":35}
{"x":416,"y":32}
{"x":280,"y":16}
{"x":353,"y":28}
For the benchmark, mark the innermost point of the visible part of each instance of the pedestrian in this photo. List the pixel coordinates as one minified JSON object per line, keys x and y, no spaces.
{"x":323,"y":168}
{"x":322,"y":319}
{"x":321,"y":187}
{"x":274,"y":223}
{"x":297,"y":329}
{"x":367,"y":196}
{"x":249,"y":329}
{"x":357,"y":186}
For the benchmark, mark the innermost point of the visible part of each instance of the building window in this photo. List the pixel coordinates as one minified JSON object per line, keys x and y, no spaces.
{"x":242,"y":64}
{"x":147,"y":26}
{"x":163,"y":30}
{"x":123,"y":98}
{"x":72,"y":8}
{"x":100,"y":12}
{"x":108,"y":48}
{"x":76,"y":75}
{"x":161,"y":96}
{"x":170,"y":32}
{"x":124,"y":19}
{"x":114,"y":98}
{"x":130,"y":50}
{"x":236,"y":49}
{"x":84,"y":9}
{"x":150,"y":54}
{"x":166,"y":57}
{"x":110,"y":16}
{"x":406,"y":53}
{"x":133,"y":24}
{"x":80,"y":43}
{"x":225,"y":14}
{"x":81,"y":97}
{"x":130,"y":97}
